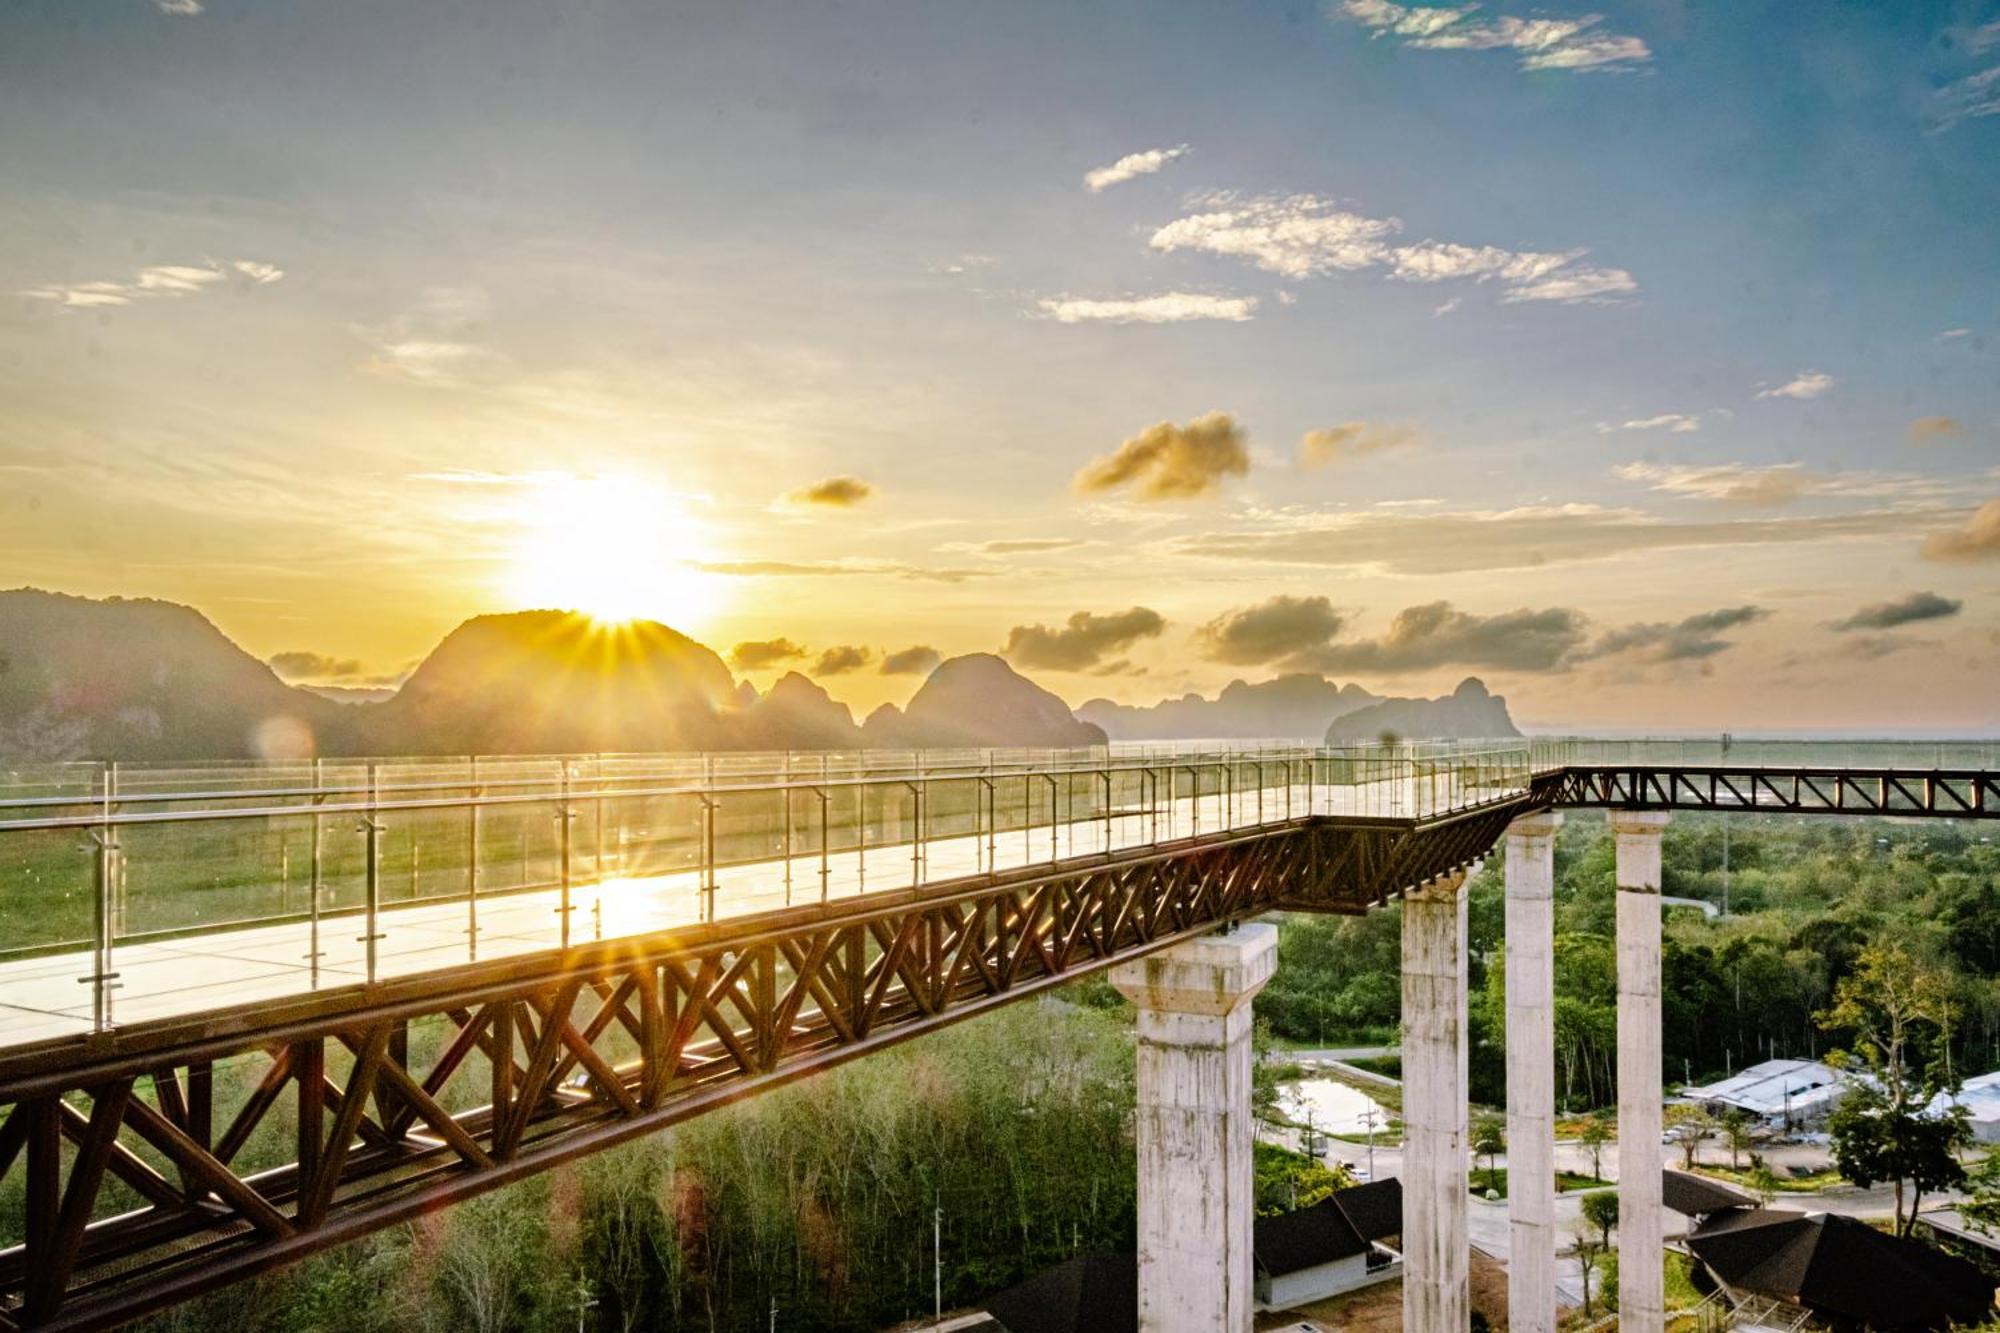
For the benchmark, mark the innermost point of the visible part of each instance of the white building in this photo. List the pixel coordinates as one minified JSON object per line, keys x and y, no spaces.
{"x":1781,"y":1093}
{"x":1981,"y":1099}
{"x":1330,"y":1247}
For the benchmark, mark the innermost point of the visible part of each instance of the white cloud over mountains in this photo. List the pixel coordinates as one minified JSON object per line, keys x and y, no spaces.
{"x":1304,"y":236}
{"x":1542,"y":43}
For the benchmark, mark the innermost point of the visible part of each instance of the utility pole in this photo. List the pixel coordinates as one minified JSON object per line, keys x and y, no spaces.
{"x":937,"y":1261}
{"x":585,"y":1302}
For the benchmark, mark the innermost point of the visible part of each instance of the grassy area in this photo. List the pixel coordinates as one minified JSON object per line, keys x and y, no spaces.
{"x":1782,"y":1182}
{"x":1389,"y":1066}
{"x":1481,"y":1180}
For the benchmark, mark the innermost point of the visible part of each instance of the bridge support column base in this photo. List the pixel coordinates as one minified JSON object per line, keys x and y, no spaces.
{"x":1641,"y":1266}
{"x":1436,"y":1249}
{"x":1196,"y":1180}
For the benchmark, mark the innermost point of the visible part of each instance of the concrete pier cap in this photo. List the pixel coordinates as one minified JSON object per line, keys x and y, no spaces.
{"x":1211,"y":974}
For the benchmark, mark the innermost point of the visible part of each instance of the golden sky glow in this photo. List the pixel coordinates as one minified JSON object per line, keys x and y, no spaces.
{"x":1657,"y":384}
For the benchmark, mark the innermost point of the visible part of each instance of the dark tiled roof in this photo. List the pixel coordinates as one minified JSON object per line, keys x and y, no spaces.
{"x":1697,"y":1196}
{"x":1337,"y":1227}
{"x":1093,"y":1293}
{"x":1374,"y":1209}
{"x":1305,"y":1238}
{"x":1841,"y":1268}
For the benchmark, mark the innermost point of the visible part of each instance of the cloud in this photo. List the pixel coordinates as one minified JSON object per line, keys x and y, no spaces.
{"x":1170,"y":462}
{"x":426,"y":360}
{"x":179,"y":8}
{"x":1273,"y":630}
{"x":1131,"y":165}
{"x":831,"y":493}
{"x":1969,"y":98}
{"x":156,"y":281}
{"x":1908,"y":610}
{"x":1021,"y":545}
{"x":920,"y":660}
{"x":1679,"y":423}
{"x":1400,"y":541}
{"x":1806,"y":384}
{"x":1979,"y":539}
{"x":751,"y":569}
{"x":1333,"y":444}
{"x":1438,"y":634}
{"x":300,"y":665}
{"x":1303,"y":236}
{"x":1770,"y":487}
{"x":1691,"y":640}
{"x":841,"y":659}
{"x":1543,"y":43}
{"x":761,"y":654}
{"x":1166,"y":308}
{"x":1949,"y":334}
{"x":1084,"y":639}
{"x":1726,"y":483}
{"x":1934,"y":428}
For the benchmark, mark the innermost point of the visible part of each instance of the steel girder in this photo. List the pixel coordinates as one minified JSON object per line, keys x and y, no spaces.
{"x":1943,"y":794}
{"x":392,"y":1100}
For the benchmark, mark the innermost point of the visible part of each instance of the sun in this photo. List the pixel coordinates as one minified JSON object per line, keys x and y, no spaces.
{"x":615,"y":548}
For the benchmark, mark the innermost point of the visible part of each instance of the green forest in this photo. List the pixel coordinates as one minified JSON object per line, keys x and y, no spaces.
{"x":821,"y":1201}
{"x":1804,"y":898}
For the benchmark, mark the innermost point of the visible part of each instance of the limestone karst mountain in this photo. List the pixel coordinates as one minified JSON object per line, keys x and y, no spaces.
{"x":1468,"y":712}
{"x":1297,"y":705}
{"x":979,"y":700}
{"x":135,"y":678}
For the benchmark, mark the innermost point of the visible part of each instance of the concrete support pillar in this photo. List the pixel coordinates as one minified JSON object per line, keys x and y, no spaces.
{"x":1196,"y":1180}
{"x":1436,"y":1295}
{"x":1641,"y":1293}
{"x":1531,"y":1073}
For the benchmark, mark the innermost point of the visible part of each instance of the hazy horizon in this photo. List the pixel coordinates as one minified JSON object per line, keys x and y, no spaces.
{"x":1639,"y":359}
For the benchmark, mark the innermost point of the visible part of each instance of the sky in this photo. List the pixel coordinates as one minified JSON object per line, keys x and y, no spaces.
{"x":1642,"y":360}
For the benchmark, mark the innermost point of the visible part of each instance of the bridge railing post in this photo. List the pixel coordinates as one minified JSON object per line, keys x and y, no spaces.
{"x":564,"y":816}
{"x":473,"y":790}
{"x":105,"y":868}
{"x":825,"y":850}
{"x":371,"y":828}
{"x":707,"y":872}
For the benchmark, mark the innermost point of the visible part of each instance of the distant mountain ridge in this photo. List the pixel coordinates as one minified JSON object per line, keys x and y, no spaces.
{"x":1297,"y":705}
{"x":1468,"y":713}
{"x":139,"y":679}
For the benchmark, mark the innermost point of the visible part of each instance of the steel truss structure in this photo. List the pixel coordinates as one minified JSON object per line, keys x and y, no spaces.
{"x":172,"y":1158}
{"x":397,"y":1098}
{"x":1966,"y":794}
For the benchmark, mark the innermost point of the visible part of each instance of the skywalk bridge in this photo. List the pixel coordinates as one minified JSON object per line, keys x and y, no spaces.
{"x":248,"y":1014}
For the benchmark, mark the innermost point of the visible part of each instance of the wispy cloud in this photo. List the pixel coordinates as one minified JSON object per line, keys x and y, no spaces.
{"x":1806,"y":384}
{"x":1969,"y":98}
{"x":1132,"y":165}
{"x":158,"y":280}
{"x":1542,"y":43}
{"x":179,"y":8}
{"x":1679,"y":423}
{"x":1166,"y":308}
{"x":1949,"y":335}
{"x":1935,"y":428}
{"x":1331,"y":444}
{"x":1779,"y":484}
{"x":1535,"y":537}
{"x":1304,"y":236}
